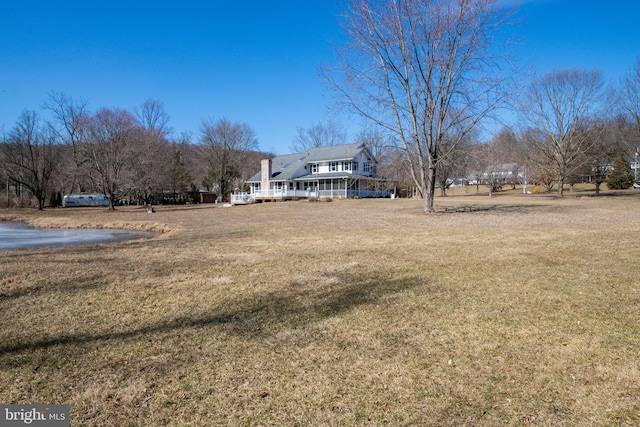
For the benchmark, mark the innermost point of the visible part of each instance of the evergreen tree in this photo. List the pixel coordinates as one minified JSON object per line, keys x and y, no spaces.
{"x":620,"y":177}
{"x":178,"y":173}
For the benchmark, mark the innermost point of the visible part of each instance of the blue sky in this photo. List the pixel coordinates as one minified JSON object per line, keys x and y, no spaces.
{"x":254,"y":61}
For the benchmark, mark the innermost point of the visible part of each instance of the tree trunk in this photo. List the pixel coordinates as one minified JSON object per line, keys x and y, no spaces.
{"x":561,"y":186}
{"x":430,"y":187}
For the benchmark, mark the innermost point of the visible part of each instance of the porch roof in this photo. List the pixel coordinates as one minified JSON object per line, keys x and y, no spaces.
{"x":342,"y":175}
{"x":328,"y":175}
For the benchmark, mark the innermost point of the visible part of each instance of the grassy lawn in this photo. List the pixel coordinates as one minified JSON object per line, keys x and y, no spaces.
{"x":513,"y":310}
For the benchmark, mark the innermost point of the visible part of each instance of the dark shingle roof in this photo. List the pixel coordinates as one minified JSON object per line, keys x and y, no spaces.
{"x":291,"y":166}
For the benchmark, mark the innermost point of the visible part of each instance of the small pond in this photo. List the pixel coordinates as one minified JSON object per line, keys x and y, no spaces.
{"x":15,"y":235}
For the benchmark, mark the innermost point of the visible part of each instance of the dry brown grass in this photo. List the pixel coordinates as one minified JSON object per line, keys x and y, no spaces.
{"x":511,"y":310}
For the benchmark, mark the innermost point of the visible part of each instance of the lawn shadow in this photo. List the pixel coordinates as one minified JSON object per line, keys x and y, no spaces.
{"x":292,"y":306}
{"x":87,"y":280}
{"x":512,"y":208}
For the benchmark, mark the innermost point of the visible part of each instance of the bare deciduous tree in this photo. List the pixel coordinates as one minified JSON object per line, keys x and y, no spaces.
{"x":153,"y":118}
{"x":544,"y":174}
{"x":31,"y":155}
{"x":70,"y":124}
{"x":606,"y":145}
{"x":377,"y":141}
{"x":559,"y":109}
{"x":225,"y":146}
{"x":152,"y":171}
{"x":428,"y":71}
{"x":486,"y":161}
{"x":629,"y":96}
{"x":454,"y":158}
{"x":629,"y":100}
{"x":318,"y":135}
{"x":492,"y":176}
{"x":111,"y":152}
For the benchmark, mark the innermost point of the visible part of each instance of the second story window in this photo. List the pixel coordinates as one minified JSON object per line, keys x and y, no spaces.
{"x":369,"y":168}
{"x":333,"y":166}
{"x":314,"y":168}
{"x":346,"y":166}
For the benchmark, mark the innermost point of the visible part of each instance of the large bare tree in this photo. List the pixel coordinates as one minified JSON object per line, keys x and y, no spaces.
{"x":70,"y":123}
{"x":226,"y":146}
{"x":112,"y":154}
{"x":31,"y":155}
{"x":428,"y":71}
{"x":155,"y":152}
{"x":559,"y":109}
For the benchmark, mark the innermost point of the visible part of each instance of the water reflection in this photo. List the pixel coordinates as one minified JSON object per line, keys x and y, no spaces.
{"x":22,"y":236}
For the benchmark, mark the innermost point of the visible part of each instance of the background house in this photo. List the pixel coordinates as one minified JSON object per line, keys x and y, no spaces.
{"x":498,"y":174}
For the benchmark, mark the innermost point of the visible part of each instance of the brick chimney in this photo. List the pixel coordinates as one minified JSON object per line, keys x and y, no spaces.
{"x":266,"y":174}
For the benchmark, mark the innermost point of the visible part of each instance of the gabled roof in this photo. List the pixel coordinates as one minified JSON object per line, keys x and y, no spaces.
{"x":291,"y":166}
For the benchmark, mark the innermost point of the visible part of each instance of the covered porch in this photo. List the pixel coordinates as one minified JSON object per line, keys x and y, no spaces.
{"x":317,"y":188}
{"x":349,"y":186}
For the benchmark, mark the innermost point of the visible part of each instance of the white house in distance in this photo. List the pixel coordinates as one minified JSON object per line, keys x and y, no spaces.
{"x":337,"y":171}
{"x":498,"y":174}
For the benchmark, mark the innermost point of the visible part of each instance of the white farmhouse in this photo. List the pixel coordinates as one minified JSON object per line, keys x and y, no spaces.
{"x":337,"y":171}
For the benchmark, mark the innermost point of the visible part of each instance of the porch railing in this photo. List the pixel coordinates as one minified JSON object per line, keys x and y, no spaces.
{"x":242,"y":198}
{"x":336,"y":194}
{"x":239,"y":198}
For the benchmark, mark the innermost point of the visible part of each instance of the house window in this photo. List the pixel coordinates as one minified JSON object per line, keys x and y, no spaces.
{"x":346,"y":166}
{"x":355,"y":165}
{"x":314,"y":168}
{"x":367,"y":167}
{"x":333,"y":166}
